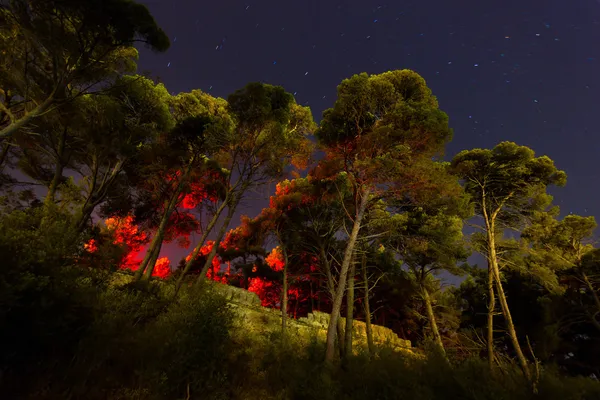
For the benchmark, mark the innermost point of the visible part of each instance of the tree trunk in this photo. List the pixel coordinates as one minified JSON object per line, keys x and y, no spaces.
{"x":198,"y":247}
{"x":350,"y":310}
{"x":218,"y":239}
{"x":339,"y":295}
{"x":152,"y":261}
{"x":284,"y":293}
{"x":490,"y":319}
{"x":339,"y":333}
{"x":503,"y":303}
{"x":158,"y":238}
{"x":367,"y":307}
{"x":432,"y":322}
{"x":339,"y":327}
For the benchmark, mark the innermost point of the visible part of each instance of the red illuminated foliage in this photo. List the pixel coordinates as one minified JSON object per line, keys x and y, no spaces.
{"x":128,"y":234}
{"x":275,"y":260}
{"x":214,"y":273}
{"x":269,"y":292}
{"x":125,"y":233}
{"x":91,"y":246}
{"x":162,"y":268}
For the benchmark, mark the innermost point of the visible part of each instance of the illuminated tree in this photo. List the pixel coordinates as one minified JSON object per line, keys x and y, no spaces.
{"x":180,"y":174}
{"x":269,"y":132}
{"x":382,"y":132}
{"x":563,"y":251}
{"x":54,"y":51}
{"x":507,"y":184}
{"x":431,"y":241}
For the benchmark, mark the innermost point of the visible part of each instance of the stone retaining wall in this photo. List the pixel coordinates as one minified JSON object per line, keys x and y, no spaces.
{"x":315,"y":321}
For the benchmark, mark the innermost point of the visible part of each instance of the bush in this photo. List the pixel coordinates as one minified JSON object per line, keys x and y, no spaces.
{"x":186,"y":347}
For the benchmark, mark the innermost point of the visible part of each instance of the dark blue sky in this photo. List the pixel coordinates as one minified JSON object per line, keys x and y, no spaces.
{"x":525,"y":71}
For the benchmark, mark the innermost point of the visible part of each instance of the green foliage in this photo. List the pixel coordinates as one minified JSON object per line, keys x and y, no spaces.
{"x":54,"y":51}
{"x":507,"y":181}
{"x":190,"y":343}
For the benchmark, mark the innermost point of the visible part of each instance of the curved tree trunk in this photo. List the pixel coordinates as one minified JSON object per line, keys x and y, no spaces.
{"x":152,"y":261}
{"x":350,"y":311}
{"x":367,"y":306}
{"x":339,"y":294}
{"x":512,"y":333}
{"x":158,"y":238}
{"x":156,"y":243}
{"x":198,"y":247}
{"x":432,"y":322}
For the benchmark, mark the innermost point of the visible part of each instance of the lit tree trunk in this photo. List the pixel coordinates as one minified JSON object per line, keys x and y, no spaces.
{"x":490,"y":317}
{"x":432,"y":322}
{"x":198,"y":247}
{"x":339,"y":294}
{"x":284,"y":293}
{"x":152,"y":261}
{"x":156,"y":243}
{"x":367,"y":307}
{"x":502,"y":298}
{"x":160,"y":232}
{"x":213,"y":251}
{"x":339,"y":327}
{"x":350,"y":310}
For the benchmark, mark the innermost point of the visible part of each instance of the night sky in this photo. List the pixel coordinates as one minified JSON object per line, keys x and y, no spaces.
{"x":527,"y":71}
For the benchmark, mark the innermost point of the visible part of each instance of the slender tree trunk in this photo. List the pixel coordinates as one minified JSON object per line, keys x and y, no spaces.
{"x":350,"y":310}
{"x":490,"y":317}
{"x":432,"y":322}
{"x":503,"y":303}
{"x":367,"y":307}
{"x":218,"y":239}
{"x":158,"y":238}
{"x":284,"y":293}
{"x":198,"y":247}
{"x":152,"y":261}
{"x":339,"y":327}
{"x":339,"y":294}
